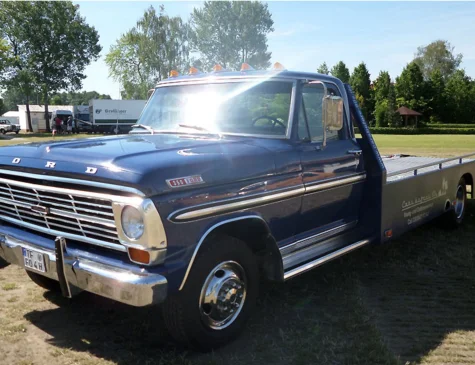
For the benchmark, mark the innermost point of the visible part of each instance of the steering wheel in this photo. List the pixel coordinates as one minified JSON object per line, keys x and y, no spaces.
{"x":274,"y":121}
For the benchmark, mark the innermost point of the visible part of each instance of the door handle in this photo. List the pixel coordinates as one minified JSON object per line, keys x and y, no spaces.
{"x":355,"y":152}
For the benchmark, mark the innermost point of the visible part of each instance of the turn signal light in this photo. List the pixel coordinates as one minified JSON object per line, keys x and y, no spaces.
{"x":139,"y":256}
{"x":246,"y":67}
{"x":278,"y":67}
{"x":193,"y":71}
{"x":218,"y":68}
{"x":174,"y":73}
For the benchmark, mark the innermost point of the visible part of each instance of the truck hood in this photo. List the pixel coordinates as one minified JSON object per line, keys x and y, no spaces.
{"x":145,"y":161}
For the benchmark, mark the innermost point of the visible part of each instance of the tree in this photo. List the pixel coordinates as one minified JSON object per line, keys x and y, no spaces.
{"x":436,"y":93}
{"x":438,"y":55}
{"x":385,"y":109}
{"x":459,"y":96}
{"x":15,"y":60}
{"x":381,"y":86}
{"x":323,"y":69}
{"x":230,"y":33}
{"x":411,"y":88}
{"x":148,"y":52}
{"x":3,"y":108}
{"x":76,"y":98}
{"x":360,"y":83}
{"x":341,"y":72}
{"x":61,"y":44}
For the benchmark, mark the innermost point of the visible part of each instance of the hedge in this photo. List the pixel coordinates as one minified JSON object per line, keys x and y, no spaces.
{"x":447,"y":125}
{"x":421,"y":130}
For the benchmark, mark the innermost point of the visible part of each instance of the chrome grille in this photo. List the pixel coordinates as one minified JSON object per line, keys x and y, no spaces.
{"x":75,"y":214}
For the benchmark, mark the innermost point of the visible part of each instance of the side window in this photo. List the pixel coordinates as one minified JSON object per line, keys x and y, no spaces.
{"x":311,"y":110}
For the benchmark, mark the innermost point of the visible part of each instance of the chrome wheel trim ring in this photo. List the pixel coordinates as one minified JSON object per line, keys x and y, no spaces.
{"x":223,"y":295}
{"x":459,"y":202}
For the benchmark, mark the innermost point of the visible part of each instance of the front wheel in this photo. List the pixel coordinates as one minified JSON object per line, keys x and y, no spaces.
{"x":218,"y":297}
{"x":17,"y":132}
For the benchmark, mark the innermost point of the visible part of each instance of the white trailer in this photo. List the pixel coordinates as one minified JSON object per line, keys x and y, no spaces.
{"x":115,"y":116}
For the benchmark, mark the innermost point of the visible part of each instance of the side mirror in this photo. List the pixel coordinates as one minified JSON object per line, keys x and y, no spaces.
{"x":333,"y":113}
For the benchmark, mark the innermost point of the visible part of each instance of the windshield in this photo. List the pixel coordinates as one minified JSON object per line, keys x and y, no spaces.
{"x":248,"y":108}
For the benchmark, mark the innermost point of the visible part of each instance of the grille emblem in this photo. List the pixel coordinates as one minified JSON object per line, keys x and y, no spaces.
{"x":39,"y":209}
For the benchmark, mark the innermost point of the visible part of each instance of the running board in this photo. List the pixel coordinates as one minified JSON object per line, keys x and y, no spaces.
{"x":321,"y":260}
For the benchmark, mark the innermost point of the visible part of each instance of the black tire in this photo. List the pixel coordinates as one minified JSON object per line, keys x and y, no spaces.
{"x":17,"y":132}
{"x":44,"y":282}
{"x":3,"y":131}
{"x":454,"y":217}
{"x":184,"y":313}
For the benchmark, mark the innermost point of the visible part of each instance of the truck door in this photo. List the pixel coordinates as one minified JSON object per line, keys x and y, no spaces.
{"x":333,"y":172}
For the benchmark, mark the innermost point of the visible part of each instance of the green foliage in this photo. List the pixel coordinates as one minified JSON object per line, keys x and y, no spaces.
{"x":360,"y":83}
{"x":3,"y":108}
{"x":232,"y":32}
{"x":437,"y":56}
{"x":460,"y":97}
{"x":76,"y":98}
{"x":148,"y":52}
{"x":450,"y":125}
{"x":341,"y":72}
{"x":436,"y":95}
{"x":411,"y":88}
{"x":381,"y":86}
{"x":54,"y":48}
{"x":323,"y":69}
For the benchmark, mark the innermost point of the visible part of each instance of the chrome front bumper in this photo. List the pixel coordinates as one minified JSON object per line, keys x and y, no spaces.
{"x":78,"y":270}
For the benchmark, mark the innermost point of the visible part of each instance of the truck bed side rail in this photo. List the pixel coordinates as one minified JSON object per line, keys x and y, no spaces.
{"x":440,"y":164}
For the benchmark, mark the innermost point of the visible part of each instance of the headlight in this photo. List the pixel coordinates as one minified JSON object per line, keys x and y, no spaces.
{"x":132,"y":222}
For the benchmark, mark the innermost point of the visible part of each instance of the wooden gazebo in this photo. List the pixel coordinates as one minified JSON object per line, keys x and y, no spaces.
{"x":406,"y":112}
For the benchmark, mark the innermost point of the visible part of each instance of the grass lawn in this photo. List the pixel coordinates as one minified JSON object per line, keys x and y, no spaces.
{"x":426,"y":144}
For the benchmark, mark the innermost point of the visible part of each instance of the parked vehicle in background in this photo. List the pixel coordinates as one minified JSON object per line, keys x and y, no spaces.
{"x":114,"y":116}
{"x":228,"y":178}
{"x":6,"y":126}
{"x":84,"y":127}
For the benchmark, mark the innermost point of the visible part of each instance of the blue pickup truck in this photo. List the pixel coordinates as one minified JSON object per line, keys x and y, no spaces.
{"x":229,"y":179}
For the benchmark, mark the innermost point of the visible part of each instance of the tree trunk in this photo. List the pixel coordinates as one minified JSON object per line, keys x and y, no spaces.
{"x":28,"y":114}
{"x":45,"y":95}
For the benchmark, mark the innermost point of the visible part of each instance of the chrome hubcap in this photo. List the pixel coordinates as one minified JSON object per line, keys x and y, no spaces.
{"x":459,"y":202}
{"x":223,"y":295}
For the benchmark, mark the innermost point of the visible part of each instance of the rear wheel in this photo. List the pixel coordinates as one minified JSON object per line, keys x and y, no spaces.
{"x":218,"y":297}
{"x":454,"y":217}
{"x":3,"y":131}
{"x":17,"y":132}
{"x":44,"y":282}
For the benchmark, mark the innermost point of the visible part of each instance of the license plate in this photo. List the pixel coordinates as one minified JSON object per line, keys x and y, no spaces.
{"x":34,"y":260}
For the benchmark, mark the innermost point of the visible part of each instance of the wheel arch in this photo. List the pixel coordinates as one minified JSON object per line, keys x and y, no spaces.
{"x":254,"y":231}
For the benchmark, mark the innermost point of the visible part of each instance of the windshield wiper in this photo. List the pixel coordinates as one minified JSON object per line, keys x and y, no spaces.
{"x":199,"y":128}
{"x":150,"y":129}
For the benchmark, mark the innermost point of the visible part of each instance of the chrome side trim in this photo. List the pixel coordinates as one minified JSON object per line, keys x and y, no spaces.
{"x":334,"y":183}
{"x":34,"y":227}
{"x":206,"y":235}
{"x":203,"y":212}
{"x":74,"y":181}
{"x":321,"y":260}
{"x":305,"y":242}
{"x":229,"y":205}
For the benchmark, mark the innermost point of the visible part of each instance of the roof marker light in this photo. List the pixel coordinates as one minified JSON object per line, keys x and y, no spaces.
{"x":246,"y":67}
{"x":193,"y":71}
{"x":218,"y":68}
{"x":278,"y":67}
{"x":174,"y":73}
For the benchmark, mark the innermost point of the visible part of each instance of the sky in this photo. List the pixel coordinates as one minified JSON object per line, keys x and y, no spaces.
{"x":385,"y":35}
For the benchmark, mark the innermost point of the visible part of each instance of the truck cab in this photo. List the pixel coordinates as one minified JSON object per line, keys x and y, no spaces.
{"x":228,"y":178}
